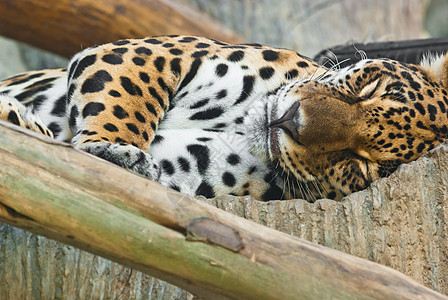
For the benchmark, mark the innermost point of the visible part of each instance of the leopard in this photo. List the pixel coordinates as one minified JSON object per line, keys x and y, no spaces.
{"x":208,"y":118}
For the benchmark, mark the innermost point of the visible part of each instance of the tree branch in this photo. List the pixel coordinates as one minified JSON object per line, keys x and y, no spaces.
{"x":65,"y":27}
{"x":54,"y":190}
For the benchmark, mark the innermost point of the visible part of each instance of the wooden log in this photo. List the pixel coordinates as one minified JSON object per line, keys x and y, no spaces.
{"x":51,"y":189}
{"x":65,"y":27}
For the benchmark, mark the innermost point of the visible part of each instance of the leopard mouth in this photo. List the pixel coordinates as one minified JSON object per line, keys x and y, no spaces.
{"x":269,"y":120}
{"x":272,"y":133}
{"x":288,"y":122}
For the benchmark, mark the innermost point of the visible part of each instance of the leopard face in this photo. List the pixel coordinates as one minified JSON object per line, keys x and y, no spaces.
{"x":357,"y":124}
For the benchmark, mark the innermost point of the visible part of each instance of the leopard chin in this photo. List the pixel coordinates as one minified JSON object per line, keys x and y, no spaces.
{"x":256,"y":123}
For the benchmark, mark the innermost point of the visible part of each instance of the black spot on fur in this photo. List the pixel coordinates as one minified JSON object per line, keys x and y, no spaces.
{"x":70,"y":92}
{"x":252,"y":170}
{"x":200,"y":103}
{"x":30,"y":93}
{"x":441,"y":106}
{"x":130,"y":87}
{"x":303,"y":64}
{"x":236,"y":56}
{"x":191,"y":74}
{"x":159,"y":63}
{"x":26,"y":79}
{"x":202,"y":45}
{"x":110,"y":127}
{"x":173,"y":186}
{"x":202,"y":156}
{"x":59,"y":107}
{"x":415,"y":85}
{"x":291,"y":74}
{"x":199,"y":54}
{"x":164,"y":87}
{"x":167,"y":167}
{"x":233,"y":159}
{"x":221,"y":94}
{"x":432,"y":110}
{"x":73,"y":115}
{"x":228,"y":179}
{"x":157,"y":139}
{"x":187,"y":39}
{"x":248,"y":85}
{"x":139,"y":117}
{"x":96,"y":82}
{"x":144,"y":77}
{"x":120,"y":141}
{"x":156,"y":95}
{"x":184,"y":164}
{"x":119,"y":112}
{"x":175,"y":66}
{"x":13,"y":118}
{"x":92,"y":109}
{"x":55,"y":128}
{"x":83,"y":64}
{"x":132,"y":128}
{"x":145,"y":136}
{"x":138,"y":61}
{"x":389,"y":66}
{"x":41,"y":82}
{"x":143,"y":50}
{"x":205,"y":189}
{"x":121,"y":43}
{"x":221,"y":70}
{"x":176,"y":51}
{"x":151,"y":108}
{"x":270,"y":55}
{"x":153,"y":41}
{"x":266,"y":72}
{"x":420,"y":108}
{"x":114,"y":93}
{"x":239,"y":120}
{"x":208,"y":114}
{"x":112,"y":59}
{"x":120,"y":50}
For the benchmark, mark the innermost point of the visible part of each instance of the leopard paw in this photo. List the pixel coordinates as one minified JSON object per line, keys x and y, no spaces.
{"x":126,"y":156}
{"x":12,"y":111}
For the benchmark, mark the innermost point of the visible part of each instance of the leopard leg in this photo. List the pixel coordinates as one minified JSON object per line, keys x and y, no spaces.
{"x":115,"y":110}
{"x":12,"y":111}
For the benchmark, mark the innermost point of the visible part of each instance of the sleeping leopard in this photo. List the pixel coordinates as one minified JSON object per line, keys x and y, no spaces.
{"x":209,"y":118}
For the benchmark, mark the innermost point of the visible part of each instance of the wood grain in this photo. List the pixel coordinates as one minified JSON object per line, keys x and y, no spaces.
{"x":65,"y":27}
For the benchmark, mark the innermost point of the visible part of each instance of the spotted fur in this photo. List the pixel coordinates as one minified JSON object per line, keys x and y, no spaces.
{"x":208,"y":118}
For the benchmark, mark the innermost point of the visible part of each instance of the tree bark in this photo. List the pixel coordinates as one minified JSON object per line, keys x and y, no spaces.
{"x":51,"y":189}
{"x":65,"y":27}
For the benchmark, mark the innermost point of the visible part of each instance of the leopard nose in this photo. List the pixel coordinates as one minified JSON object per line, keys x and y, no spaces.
{"x":288,"y":122}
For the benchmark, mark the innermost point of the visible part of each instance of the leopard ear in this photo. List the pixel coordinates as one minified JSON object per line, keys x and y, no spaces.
{"x":436,"y":67}
{"x":445,"y":71}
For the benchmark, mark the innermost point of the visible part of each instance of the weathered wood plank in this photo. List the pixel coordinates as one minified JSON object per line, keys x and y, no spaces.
{"x":52,"y":189}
